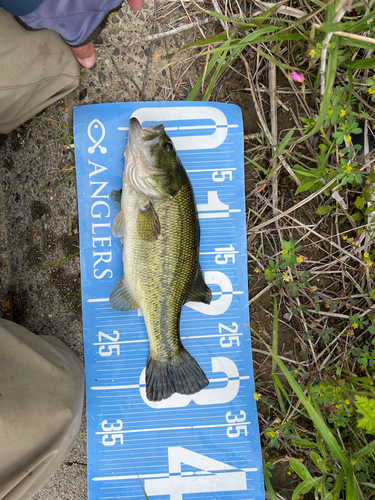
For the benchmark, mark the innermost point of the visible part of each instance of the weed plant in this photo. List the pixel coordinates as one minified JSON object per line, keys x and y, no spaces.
{"x":311,"y":230}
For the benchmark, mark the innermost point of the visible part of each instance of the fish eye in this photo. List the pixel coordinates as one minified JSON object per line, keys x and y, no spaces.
{"x":168,"y":147}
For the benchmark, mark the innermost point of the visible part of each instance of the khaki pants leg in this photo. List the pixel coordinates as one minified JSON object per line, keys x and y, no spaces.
{"x":36,"y":69}
{"x":41,"y":398}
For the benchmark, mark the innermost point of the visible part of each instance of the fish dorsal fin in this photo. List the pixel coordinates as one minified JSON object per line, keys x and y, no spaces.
{"x":121,"y":299}
{"x":148,"y":224}
{"x":199,"y":291}
{"x":116,"y":199}
{"x":118,"y":227}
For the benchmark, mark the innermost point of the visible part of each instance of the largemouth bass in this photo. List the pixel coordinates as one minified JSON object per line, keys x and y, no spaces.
{"x":158,"y":222}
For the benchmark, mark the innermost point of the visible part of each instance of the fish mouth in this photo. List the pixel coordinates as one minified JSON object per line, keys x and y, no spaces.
{"x":142,"y":138}
{"x":139,"y":162}
{"x":148,"y":136}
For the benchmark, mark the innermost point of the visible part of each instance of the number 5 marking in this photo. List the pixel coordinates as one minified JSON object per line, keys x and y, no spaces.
{"x":205,"y":397}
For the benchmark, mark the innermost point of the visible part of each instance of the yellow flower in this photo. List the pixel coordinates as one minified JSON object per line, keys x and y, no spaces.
{"x":346,"y":168}
{"x":257,"y":270}
{"x":347,"y":402}
{"x":354,"y":462}
{"x":355,"y":325}
{"x":365,"y":255}
{"x":277,"y":420}
{"x":371,"y":382}
{"x":369,"y":263}
{"x":347,"y":138}
{"x":257,"y":396}
{"x":286,"y":277}
{"x":371,"y":91}
{"x":289,"y":473}
{"x":330,"y":111}
{"x":268,"y":271}
{"x":284,"y":252}
{"x":299,"y":259}
{"x":342,"y":112}
{"x":344,"y":237}
{"x":272,"y":434}
{"x":312,"y":53}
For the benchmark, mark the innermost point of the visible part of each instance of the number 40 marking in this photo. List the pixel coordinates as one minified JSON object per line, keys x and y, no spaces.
{"x":228,"y":479}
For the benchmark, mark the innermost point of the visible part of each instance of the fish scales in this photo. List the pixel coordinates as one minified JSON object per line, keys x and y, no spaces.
{"x":158,"y":223}
{"x":160,"y":273}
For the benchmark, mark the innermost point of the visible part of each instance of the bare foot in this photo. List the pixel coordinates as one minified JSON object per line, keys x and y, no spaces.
{"x":86,"y":54}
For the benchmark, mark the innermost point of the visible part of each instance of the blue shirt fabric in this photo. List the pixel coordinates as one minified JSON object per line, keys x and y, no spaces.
{"x":74,"y":20}
{"x":20,"y":7}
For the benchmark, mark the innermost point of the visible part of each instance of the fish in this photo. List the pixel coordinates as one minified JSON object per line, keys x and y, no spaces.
{"x":159,"y":227}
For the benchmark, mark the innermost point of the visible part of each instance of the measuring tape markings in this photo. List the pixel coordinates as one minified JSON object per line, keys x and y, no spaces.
{"x":216,"y":204}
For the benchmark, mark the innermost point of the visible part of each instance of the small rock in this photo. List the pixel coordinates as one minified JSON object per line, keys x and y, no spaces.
{"x":82,"y":94}
{"x":116,"y":52}
{"x":102,"y":77}
{"x":63,"y":108}
{"x":115,"y":20}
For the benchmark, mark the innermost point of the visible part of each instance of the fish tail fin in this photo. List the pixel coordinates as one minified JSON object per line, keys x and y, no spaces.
{"x":182,"y":374}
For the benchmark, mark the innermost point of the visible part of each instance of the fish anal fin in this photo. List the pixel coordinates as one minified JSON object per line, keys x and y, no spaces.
{"x":181,"y":374}
{"x":148,"y":224}
{"x":121,"y":299}
{"x":118,"y":227}
{"x":116,"y":199}
{"x":199,"y":291}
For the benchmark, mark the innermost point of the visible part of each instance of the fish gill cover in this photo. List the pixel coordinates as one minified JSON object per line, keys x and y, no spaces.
{"x":187,"y":447}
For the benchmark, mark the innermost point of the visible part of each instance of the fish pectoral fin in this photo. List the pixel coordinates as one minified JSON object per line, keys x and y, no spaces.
{"x":121,"y":299}
{"x":116,"y":199}
{"x":148,"y":224}
{"x":199,"y":291}
{"x":118,"y":228}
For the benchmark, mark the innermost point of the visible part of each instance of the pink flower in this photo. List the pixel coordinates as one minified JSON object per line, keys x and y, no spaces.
{"x":298,"y":77}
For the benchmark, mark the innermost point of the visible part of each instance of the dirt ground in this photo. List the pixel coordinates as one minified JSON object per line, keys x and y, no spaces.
{"x":40,"y":212}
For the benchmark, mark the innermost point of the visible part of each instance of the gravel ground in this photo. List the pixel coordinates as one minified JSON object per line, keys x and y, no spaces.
{"x":38,"y":210}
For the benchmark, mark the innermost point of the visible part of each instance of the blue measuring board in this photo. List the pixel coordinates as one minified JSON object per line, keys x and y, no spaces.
{"x":200,"y":447}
